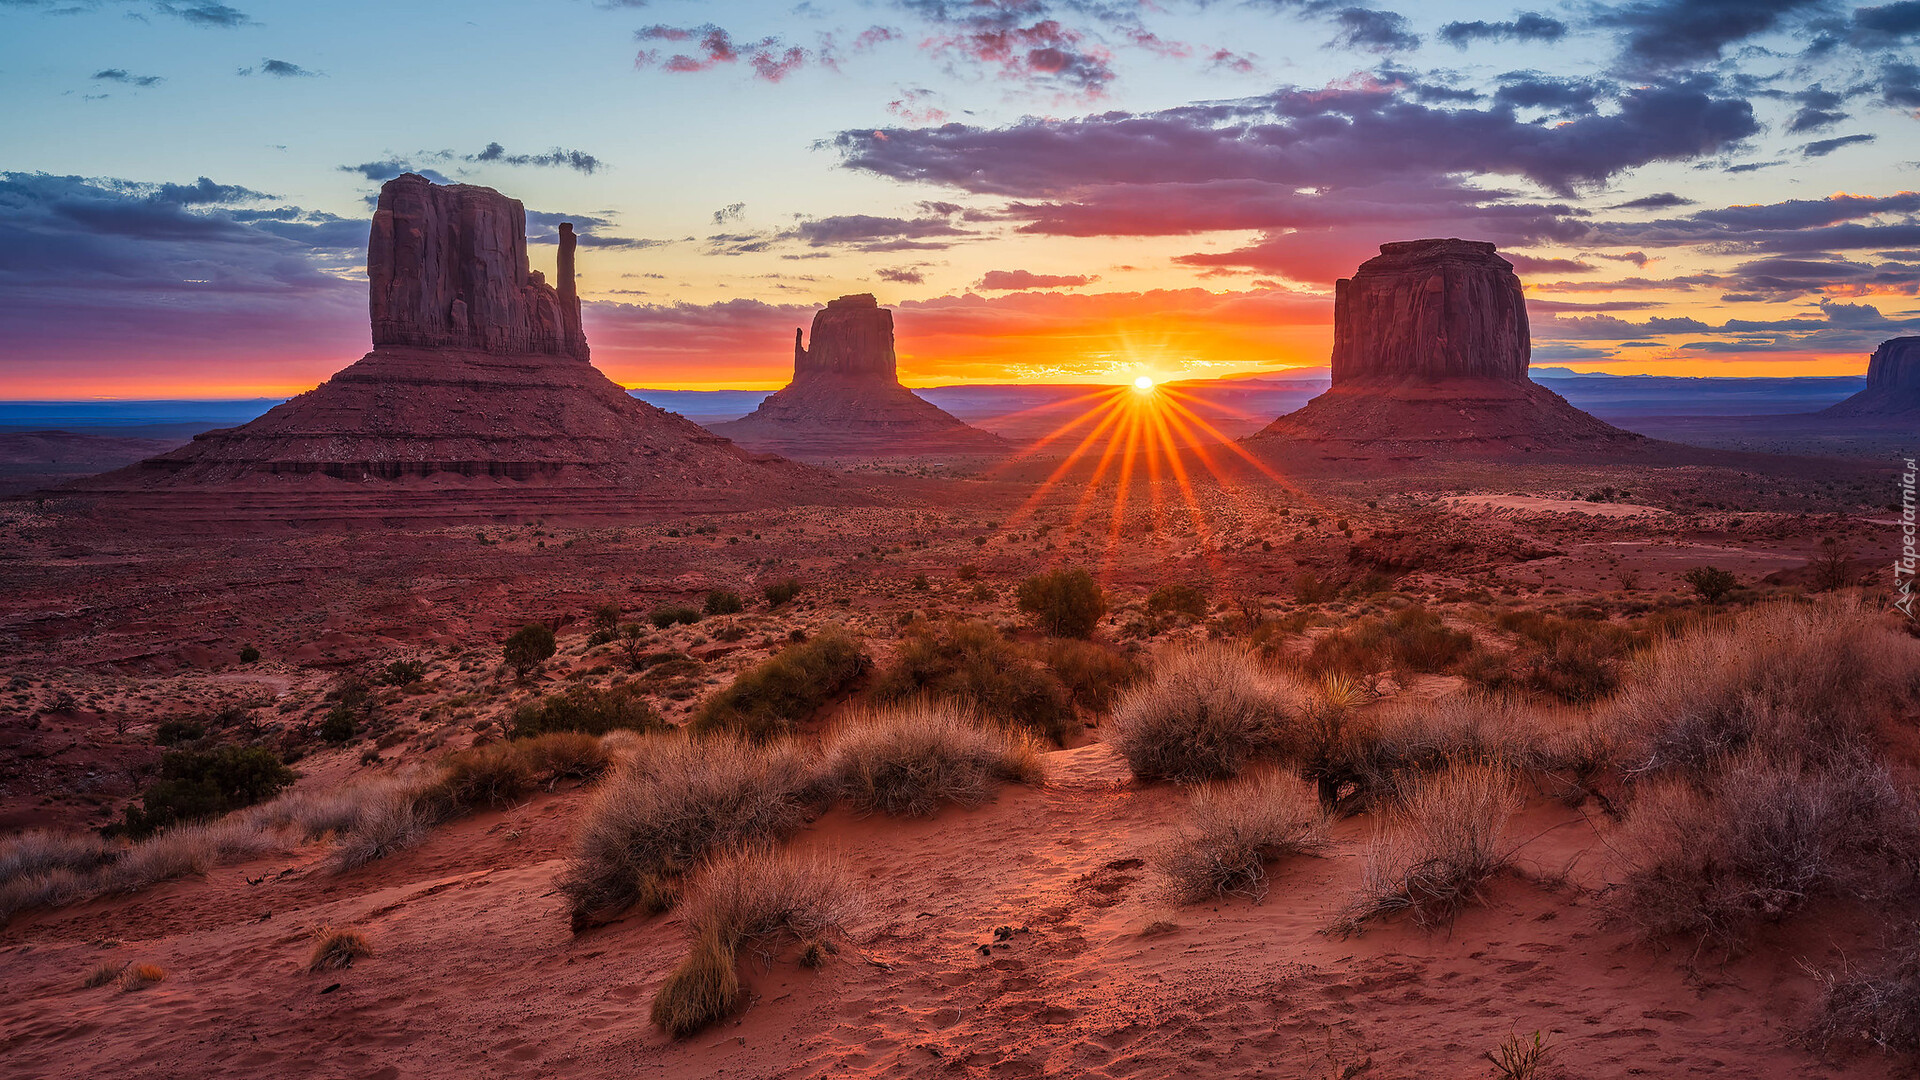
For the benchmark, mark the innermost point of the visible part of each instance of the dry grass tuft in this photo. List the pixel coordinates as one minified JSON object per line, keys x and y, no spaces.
{"x":674,"y":804}
{"x":1763,"y":842}
{"x":750,"y":899}
{"x":105,"y":973}
{"x":910,"y":759}
{"x":1207,"y":711}
{"x":1233,"y":832}
{"x":335,"y":949}
{"x":1880,"y":1006}
{"x":1804,"y":682}
{"x":1436,"y":849}
{"x":976,"y":665}
{"x":141,"y":976}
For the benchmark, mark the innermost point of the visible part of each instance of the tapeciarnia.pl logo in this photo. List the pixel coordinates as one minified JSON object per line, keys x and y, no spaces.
{"x":1903,"y":566}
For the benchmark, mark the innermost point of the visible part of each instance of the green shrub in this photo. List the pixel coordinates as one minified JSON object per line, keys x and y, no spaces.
{"x":341,"y":725}
{"x":974,"y":664}
{"x":589,"y":710}
{"x":249,"y":654}
{"x":606,"y":617}
{"x":404,"y":672}
{"x":1093,"y":673}
{"x":673,"y":615}
{"x":1711,"y":582}
{"x":528,"y":648}
{"x":175,"y":732}
{"x":1177,"y":600}
{"x":773,"y":696}
{"x":196,"y":784}
{"x":1065,"y":602}
{"x":781,"y":592}
{"x":724,"y":602}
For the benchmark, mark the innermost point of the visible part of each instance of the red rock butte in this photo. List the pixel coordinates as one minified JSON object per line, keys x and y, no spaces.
{"x":846,"y":397}
{"x":1430,"y":355}
{"x":477,"y":400}
{"x":1893,"y":384}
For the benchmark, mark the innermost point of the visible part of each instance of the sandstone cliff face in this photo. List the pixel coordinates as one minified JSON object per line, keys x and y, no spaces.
{"x":852,"y":339}
{"x":1431,"y":309}
{"x":1893,"y":381}
{"x":447,"y":268}
{"x":846,"y":397}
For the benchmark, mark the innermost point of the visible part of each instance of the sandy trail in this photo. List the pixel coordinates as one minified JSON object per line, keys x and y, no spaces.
{"x":475,"y":972}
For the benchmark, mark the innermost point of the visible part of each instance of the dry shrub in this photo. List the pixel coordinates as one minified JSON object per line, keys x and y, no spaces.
{"x":1881,"y":1006}
{"x":1436,"y":849}
{"x":682,"y":800}
{"x":750,"y":899}
{"x":1358,"y":757}
{"x":1093,"y":673}
{"x":564,"y":755}
{"x":910,"y":759}
{"x":187,"y":849}
{"x":589,"y":711}
{"x":103,"y":974}
{"x":490,"y":776}
{"x":1412,"y":639}
{"x":975,"y":664}
{"x":391,"y":824}
{"x":1800,"y":682}
{"x":141,"y":976}
{"x":1207,"y":711}
{"x":37,"y":852}
{"x":1231,"y":834}
{"x":335,"y":949}
{"x":774,"y":696}
{"x":1767,"y":839}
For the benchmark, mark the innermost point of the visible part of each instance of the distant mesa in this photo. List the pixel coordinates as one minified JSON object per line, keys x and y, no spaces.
{"x":846,"y":399}
{"x":1893,"y":383}
{"x":1430,"y":354}
{"x":478,"y":384}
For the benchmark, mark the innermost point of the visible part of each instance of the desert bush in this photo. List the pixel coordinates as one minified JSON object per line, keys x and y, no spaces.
{"x":1880,"y":1005}
{"x":1521,"y":1057}
{"x":1357,"y":758}
{"x":1231,"y":833}
{"x":335,"y":949}
{"x":777,"y":593}
{"x":103,"y":973}
{"x":198,"y":784}
{"x":1205,"y":712}
{"x":141,"y":976}
{"x":588,"y":710}
{"x":249,"y":654}
{"x":341,"y":725}
{"x":1577,"y":661}
{"x":680,"y":800}
{"x":527,"y":648}
{"x":1177,"y":599}
{"x":39,"y":851}
{"x":1311,"y":588}
{"x":175,"y":732}
{"x":673,"y":615}
{"x":489,"y":777}
{"x":1712,"y":583}
{"x":385,"y":825}
{"x":1766,"y":839}
{"x":782,"y":691}
{"x":1436,"y":848}
{"x":1065,"y":603}
{"x":1800,"y":682}
{"x":564,"y":755}
{"x":975,"y":664}
{"x":909,"y":759}
{"x":1413,"y":639}
{"x":724,"y":602}
{"x":605,"y":618}
{"x":184,"y":849}
{"x":749,"y":899}
{"x":404,"y":672}
{"x":1093,"y":673}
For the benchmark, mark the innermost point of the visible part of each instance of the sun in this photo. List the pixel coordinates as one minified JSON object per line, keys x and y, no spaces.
{"x":1143,"y":384}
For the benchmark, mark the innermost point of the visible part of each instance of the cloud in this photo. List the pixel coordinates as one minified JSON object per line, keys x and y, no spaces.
{"x":1524,"y":26}
{"x":1887,"y":25}
{"x":386,"y":169}
{"x":1823,"y":147}
{"x":1663,"y":201}
{"x":1374,"y":31}
{"x":1531,"y":264}
{"x":577,"y":160}
{"x":1020,"y":40}
{"x":205,"y":13}
{"x":120,"y":75}
{"x":871,"y":233}
{"x":730,"y":212}
{"x":1670,"y":34}
{"x":1011,"y":280}
{"x":901,"y":275}
{"x":280,"y":69}
{"x":770,"y":58}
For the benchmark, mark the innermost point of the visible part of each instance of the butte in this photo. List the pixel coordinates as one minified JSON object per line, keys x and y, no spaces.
{"x":1892,"y":394}
{"x":846,"y":398}
{"x":1430,"y":356}
{"x":478,"y":401}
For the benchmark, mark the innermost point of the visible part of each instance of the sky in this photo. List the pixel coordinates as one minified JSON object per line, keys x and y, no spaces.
{"x":1043,"y":190}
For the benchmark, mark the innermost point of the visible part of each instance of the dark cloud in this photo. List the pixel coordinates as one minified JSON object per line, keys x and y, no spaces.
{"x":871,"y":233}
{"x":1823,"y":147}
{"x":203,"y":13}
{"x":1563,"y":96}
{"x":1015,"y":280}
{"x":1373,"y":31}
{"x":1670,"y":34}
{"x":770,"y":58}
{"x":386,"y":169}
{"x":1900,"y":85}
{"x":1887,"y":25}
{"x":1524,"y":26}
{"x":1819,"y":108}
{"x":1021,"y":40}
{"x":1663,"y":201}
{"x":579,"y":161}
{"x":1532,"y":264}
{"x":280,"y":69}
{"x":121,"y":75}
{"x":901,"y":275}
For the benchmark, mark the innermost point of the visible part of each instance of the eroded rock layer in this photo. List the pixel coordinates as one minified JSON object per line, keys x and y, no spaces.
{"x":1430,"y":355}
{"x":1893,"y":382}
{"x":846,"y":397}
